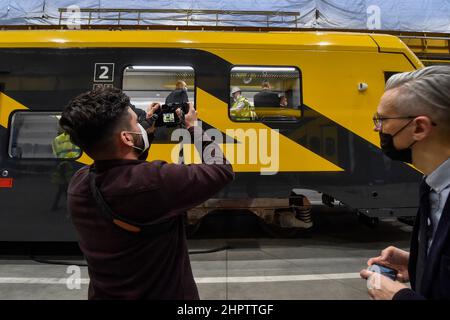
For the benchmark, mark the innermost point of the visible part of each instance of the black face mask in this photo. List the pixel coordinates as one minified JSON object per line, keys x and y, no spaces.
{"x":388,"y":147}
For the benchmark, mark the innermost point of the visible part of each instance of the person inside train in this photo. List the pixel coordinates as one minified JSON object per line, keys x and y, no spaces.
{"x":63,"y":148}
{"x":241,"y":109}
{"x":283,"y":101}
{"x":179,"y":95}
{"x":266,"y":97}
{"x":129,"y":214}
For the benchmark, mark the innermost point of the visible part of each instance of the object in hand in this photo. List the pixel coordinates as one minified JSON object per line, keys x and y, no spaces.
{"x":167,"y":115}
{"x":385,"y":271}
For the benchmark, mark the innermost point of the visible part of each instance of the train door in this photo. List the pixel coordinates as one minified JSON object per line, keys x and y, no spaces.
{"x":38,"y":166}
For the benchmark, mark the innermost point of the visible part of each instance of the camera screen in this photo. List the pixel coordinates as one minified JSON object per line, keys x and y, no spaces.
{"x":169,"y":117}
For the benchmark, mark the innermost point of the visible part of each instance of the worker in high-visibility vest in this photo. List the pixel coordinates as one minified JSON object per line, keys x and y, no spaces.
{"x":241,"y":109}
{"x":63,"y":148}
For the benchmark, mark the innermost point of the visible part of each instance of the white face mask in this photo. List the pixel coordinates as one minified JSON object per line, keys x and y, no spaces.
{"x":144,"y":135}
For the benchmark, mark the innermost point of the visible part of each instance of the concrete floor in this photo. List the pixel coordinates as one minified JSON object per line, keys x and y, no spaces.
{"x":323,"y":264}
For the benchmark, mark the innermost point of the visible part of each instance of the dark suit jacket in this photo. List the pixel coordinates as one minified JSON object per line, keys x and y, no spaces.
{"x":436,"y":278}
{"x":177,"y":96}
{"x":266,"y":98}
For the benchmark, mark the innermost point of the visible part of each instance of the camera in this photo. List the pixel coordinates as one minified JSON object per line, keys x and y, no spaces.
{"x":167,"y":115}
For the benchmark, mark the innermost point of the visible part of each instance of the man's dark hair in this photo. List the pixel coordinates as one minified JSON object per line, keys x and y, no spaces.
{"x":92,"y":118}
{"x":265,"y":84}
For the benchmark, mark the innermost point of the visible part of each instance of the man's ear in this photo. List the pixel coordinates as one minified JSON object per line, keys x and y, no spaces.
{"x":422,"y":128}
{"x":126,"y":138}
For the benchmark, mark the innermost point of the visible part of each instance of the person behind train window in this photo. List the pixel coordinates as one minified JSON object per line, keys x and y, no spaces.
{"x":179,"y":95}
{"x":129,"y":214}
{"x":266,"y":97}
{"x":283,"y":101}
{"x":413,"y":120}
{"x":241,"y":109}
{"x":63,"y":148}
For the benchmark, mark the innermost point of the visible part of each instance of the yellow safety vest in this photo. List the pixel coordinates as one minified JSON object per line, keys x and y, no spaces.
{"x":247,"y":112}
{"x":63,"y":148}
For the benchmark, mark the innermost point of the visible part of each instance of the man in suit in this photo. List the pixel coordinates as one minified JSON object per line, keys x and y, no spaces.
{"x":266,"y":97}
{"x":413,"y":120}
{"x":179,"y":95}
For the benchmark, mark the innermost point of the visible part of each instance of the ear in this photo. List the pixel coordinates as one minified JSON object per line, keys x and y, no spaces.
{"x":422,"y":128}
{"x":126,"y":138}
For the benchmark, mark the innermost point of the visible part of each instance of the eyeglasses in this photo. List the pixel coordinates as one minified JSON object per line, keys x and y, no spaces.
{"x":378,"y":120}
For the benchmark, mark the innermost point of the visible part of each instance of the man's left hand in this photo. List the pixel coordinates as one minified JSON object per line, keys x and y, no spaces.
{"x":381,"y":287}
{"x":150,"y":112}
{"x":152,"y":109}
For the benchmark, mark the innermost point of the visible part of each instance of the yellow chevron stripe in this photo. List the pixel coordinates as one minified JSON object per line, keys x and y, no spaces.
{"x":330,"y":88}
{"x":7,"y":106}
{"x":293,"y":157}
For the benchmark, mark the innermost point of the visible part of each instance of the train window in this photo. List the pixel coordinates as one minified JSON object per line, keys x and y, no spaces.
{"x":388,"y":74}
{"x":36,"y":135}
{"x":265,"y":94}
{"x":162,"y":84}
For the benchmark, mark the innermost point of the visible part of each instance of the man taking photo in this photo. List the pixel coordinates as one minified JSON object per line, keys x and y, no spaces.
{"x":129,"y":214}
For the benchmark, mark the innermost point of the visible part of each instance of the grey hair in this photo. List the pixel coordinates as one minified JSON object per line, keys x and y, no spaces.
{"x":425,"y":91}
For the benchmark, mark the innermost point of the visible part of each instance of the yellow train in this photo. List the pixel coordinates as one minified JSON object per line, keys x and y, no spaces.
{"x":319,"y":137}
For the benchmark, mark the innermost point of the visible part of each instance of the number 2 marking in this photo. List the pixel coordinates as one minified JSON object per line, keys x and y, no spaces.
{"x":104,"y":72}
{"x":104,"y":75}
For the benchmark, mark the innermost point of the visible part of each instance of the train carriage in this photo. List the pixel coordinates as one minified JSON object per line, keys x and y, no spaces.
{"x":321,"y":138}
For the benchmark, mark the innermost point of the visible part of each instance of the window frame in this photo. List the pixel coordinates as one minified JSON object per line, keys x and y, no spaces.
{"x":122,"y":75}
{"x":11,"y":130}
{"x":300,"y":107}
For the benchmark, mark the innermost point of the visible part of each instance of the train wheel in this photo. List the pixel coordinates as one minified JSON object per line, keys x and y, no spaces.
{"x":288,"y":223}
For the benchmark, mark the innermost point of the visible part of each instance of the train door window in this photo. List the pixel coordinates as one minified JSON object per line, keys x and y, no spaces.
{"x":37,"y":135}
{"x":162,"y":84}
{"x":265,"y":94}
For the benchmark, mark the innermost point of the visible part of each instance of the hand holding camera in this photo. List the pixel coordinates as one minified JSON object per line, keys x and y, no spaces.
{"x":152,"y":109}
{"x":175,"y":114}
{"x":151,"y":115}
{"x":190,"y":118}
{"x":171,"y":114}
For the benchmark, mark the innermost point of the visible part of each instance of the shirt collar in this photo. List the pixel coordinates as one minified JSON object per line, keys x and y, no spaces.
{"x":439,"y":179}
